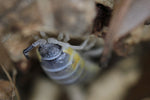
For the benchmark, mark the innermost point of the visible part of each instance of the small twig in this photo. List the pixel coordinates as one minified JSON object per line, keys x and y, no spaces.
{"x":117,"y":19}
{"x":11,"y":81}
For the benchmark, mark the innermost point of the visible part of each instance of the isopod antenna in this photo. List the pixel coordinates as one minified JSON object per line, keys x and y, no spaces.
{"x":35,"y":44}
{"x":25,"y":51}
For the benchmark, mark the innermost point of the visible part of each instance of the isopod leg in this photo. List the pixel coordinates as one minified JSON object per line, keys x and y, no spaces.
{"x":63,"y":36}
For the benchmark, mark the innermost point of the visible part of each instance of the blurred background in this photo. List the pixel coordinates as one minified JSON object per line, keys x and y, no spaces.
{"x":122,"y":26}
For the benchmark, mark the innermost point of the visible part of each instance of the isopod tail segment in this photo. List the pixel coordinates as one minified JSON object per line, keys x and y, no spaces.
{"x":54,"y":41}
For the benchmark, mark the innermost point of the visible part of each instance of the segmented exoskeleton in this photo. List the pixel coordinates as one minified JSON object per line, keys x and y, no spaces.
{"x":62,"y":63}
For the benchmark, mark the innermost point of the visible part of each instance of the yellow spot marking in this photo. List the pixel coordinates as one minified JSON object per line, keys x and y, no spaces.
{"x":76,"y":58}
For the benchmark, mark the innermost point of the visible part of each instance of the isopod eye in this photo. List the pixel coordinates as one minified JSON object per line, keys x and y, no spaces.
{"x":50,"y":51}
